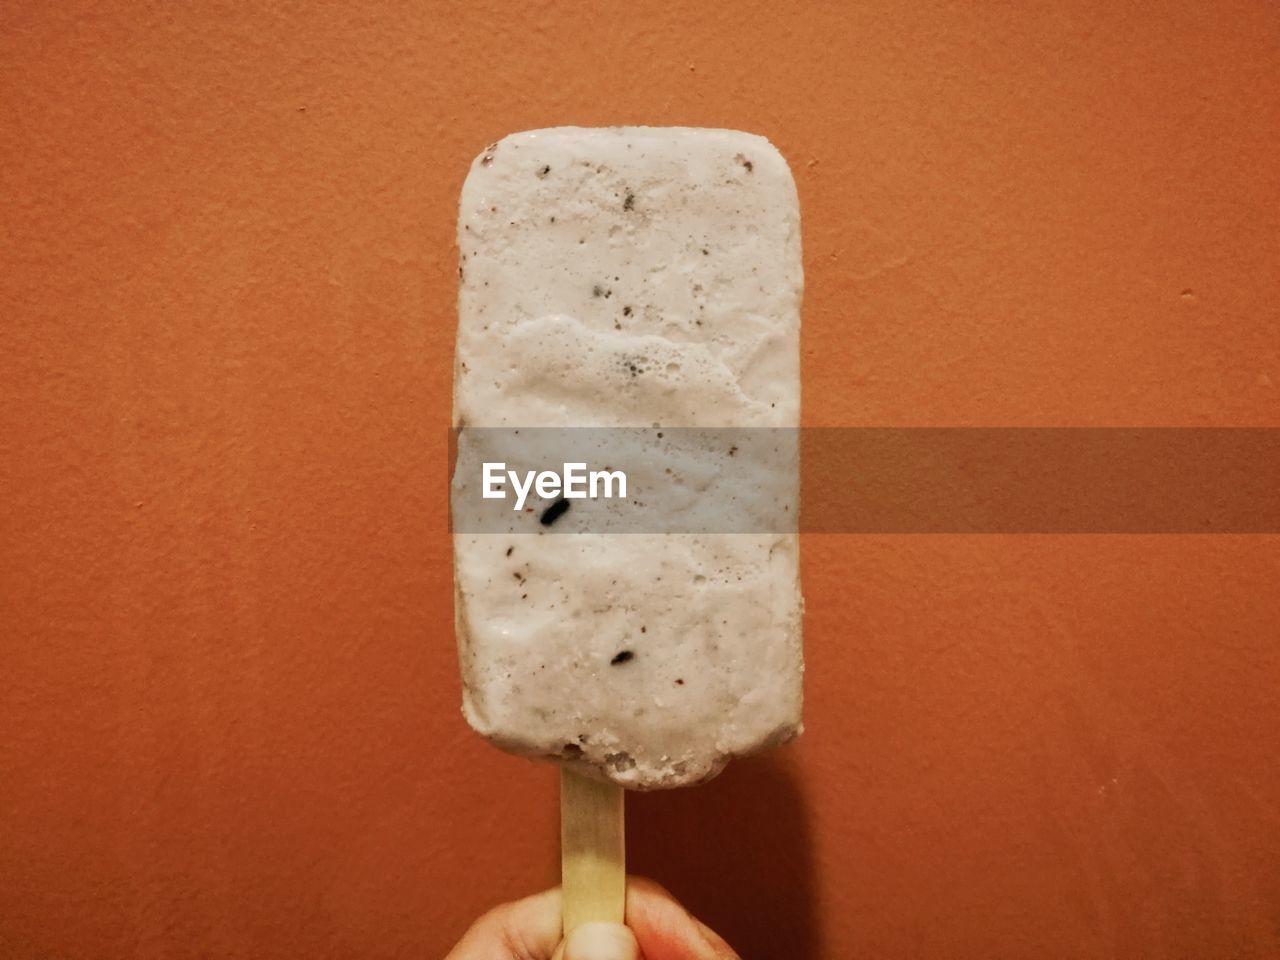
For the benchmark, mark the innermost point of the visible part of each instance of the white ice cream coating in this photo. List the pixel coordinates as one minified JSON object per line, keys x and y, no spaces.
{"x":630,"y":276}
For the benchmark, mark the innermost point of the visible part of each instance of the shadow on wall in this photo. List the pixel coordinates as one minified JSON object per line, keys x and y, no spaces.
{"x":736,"y":852}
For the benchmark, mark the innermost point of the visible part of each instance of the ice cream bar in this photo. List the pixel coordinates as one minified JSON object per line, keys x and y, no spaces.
{"x":629,"y":277}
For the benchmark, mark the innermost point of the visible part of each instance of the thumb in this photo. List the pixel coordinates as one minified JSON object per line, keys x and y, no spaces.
{"x":601,"y":941}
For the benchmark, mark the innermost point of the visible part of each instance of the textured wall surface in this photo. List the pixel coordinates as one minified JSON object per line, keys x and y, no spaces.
{"x":229,"y":718}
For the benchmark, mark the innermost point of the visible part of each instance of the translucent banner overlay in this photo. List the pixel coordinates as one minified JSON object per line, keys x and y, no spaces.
{"x":866,"y":480}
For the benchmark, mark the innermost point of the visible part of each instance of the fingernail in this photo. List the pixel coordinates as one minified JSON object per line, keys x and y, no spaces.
{"x":601,"y":941}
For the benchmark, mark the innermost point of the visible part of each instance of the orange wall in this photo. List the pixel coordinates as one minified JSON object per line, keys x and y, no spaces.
{"x":229,"y":716}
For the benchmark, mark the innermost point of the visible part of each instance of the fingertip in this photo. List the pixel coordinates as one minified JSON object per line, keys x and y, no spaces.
{"x":647,"y":898}
{"x":601,"y":941}
{"x":717,"y":942}
{"x":647,"y":886}
{"x":527,"y":927}
{"x":665,"y":930}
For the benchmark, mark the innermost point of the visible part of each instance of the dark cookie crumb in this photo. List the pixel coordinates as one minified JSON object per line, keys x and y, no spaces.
{"x":554,"y":512}
{"x":630,"y":202}
{"x":544,"y":170}
{"x":509,"y":549}
{"x":571,"y":750}
{"x":620,"y":762}
{"x":680,"y":681}
{"x":621,"y":657}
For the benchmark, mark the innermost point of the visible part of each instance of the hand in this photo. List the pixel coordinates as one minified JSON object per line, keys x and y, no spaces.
{"x":658,"y":928}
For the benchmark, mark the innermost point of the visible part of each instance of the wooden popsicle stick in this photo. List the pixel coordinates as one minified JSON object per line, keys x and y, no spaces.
{"x":593,"y":870}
